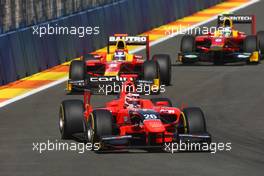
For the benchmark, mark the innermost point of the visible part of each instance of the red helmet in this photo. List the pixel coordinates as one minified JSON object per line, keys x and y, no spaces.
{"x":132,"y":100}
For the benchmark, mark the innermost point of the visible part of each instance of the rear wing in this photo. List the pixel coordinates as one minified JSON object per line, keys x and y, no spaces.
{"x":129,"y":40}
{"x":239,"y":19}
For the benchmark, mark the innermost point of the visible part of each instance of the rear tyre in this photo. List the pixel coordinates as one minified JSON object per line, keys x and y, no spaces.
{"x":260,"y":40}
{"x":195,"y":121}
{"x":155,"y":100}
{"x":150,"y":70}
{"x":77,"y":70}
{"x":164,"y":63}
{"x":99,"y":124}
{"x":71,"y":119}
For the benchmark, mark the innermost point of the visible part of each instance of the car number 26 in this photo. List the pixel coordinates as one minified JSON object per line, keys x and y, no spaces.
{"x":150,"y":116}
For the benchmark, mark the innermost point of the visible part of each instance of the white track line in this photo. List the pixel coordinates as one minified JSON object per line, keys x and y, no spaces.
{"x":134,"y":51}
{"x":33,"y":92}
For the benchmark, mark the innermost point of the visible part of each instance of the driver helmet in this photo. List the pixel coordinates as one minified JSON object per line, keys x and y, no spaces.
{"x":132,"y":100}
{"x":227,"y":31}
{"x":119,"y":55}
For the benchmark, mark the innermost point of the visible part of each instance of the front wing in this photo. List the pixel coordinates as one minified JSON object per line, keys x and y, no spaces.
{"x":225,"y":57}
{"x":97,"y":86}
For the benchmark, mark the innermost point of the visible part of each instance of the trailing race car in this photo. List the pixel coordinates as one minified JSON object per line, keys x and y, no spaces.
{"x":117,"y":65}
{"x":226,"y":45}
{"x":132,"y":122}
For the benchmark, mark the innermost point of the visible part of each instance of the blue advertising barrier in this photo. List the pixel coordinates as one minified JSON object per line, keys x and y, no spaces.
{"x":8,"y":69}
{"x":23,"y":54}
{"x":17,"y":53}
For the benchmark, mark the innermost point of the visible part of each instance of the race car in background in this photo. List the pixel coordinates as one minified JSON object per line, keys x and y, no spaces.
{"x":119,"y":64}
{"x":226,"y":45}
{"x":131,"y":122}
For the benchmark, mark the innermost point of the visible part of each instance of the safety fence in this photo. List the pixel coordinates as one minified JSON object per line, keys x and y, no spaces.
{"x":16,"y":14}
{"x":23,"y":53}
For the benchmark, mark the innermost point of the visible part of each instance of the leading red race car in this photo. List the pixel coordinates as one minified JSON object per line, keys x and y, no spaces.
{"x":131,"y":121}
{"x":118,"y":64}
{"x":226,"y":45}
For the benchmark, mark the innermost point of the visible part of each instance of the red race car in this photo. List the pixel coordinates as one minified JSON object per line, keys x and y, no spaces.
{"x":117,"y":64}
{"x":131,"y":121}
{"x":225,"y":45}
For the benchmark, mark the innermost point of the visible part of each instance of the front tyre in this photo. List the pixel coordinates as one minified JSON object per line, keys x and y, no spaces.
{"x":250,"y":45}
{"x":71,"y":119}
{"x":260,"y":40}
{"x":77,"y":70}
{"x":187,"y":44}
{"x":99,"y":124}
{"x":195,"y":121}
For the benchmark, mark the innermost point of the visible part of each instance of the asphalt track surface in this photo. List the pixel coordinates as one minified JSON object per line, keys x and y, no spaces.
{"x":232,"y":98}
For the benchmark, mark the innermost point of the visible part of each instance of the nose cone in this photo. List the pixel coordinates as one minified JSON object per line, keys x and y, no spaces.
{"x":154,"y":126}
{"x":217,"y":44}
{"x":112,"y":69}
